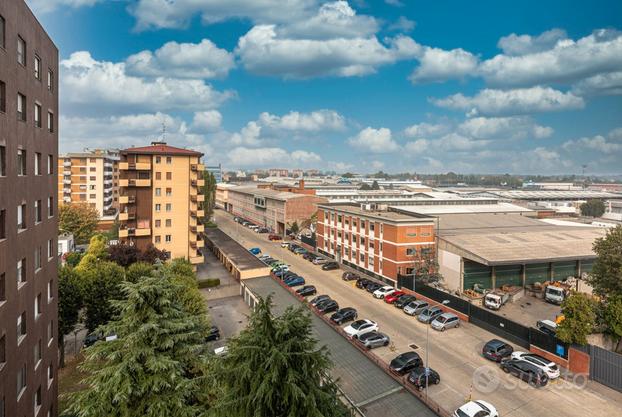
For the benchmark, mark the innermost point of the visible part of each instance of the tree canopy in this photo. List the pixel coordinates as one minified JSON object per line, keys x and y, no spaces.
{"x":69,"y":305}
{"x":79,"y":220}
{"x":593,"y":208}
{"x":579,"y":317}
{"x":606,"y":275}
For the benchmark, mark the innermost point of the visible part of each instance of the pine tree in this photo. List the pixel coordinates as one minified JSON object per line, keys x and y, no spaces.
{"x":157,"y":366}
{"x":274,"y":368}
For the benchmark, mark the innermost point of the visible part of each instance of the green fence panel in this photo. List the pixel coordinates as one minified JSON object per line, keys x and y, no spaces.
{"x":563,"y":270}
{"x":509,"y":275}
{"x":476,"y":273}
{"x":536,"y":273}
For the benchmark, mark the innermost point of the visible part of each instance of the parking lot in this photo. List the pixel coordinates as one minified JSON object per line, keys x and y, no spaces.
{"x":528,"y":310}
{"x":455,"y":354}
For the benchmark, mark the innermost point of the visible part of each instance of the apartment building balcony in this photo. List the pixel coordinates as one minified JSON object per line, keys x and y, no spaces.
{"x":67,"y":199}
{"x":198,"y":259}
{"x":197,"y":183}
{"x":197,"y":198}
{"x":66,"y":181}
{"x":197,"y":244}
{"x":127,"y":199}
{"x":66,"y":191}
{"x":127,"y":215}
{"x":197,"y":167}
{"x":66,"y":172}
{"x":199,"y":228}
{"x":134,"y":183}
{"x":133,"y":231}
{"x":67,"y":164}
{"x":134,"y":166}
{"x":200,"y":213}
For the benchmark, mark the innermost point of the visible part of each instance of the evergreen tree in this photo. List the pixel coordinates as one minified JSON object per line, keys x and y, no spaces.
{"x":274,"y":368}
{"x":69,"y":305}
{"x":157,"y":366}
{"x":102,"y":284}
{"x":137,"y":270}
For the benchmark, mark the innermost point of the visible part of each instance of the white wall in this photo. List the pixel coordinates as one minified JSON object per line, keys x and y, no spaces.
{"x":449,"y":267}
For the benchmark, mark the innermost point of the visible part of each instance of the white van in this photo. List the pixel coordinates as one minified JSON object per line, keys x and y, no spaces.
{"x":555,"y":295}
{"x":547,"y":326}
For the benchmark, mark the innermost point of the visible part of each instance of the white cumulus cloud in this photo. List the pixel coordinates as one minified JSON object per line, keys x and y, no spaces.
{"x":207,"y":121}
{"x":440,"y":65}
{"x":374,"y":140}
{"x":424,"y":130}
{"x":46,"y":6}
{"x":315,"y":121}
{"x":261,"y":157}
{"x":517,"y":127}
{"x":526,"y":44}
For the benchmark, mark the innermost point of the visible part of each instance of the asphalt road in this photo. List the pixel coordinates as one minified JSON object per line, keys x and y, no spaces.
{"x":455,"y":354}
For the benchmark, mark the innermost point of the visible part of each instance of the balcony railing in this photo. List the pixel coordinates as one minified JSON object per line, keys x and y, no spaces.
{"x":125,"y":166}
{"x":127,"y":199}
{"x":197,"y":183}
{"x":197,"y":198}
{"x":199,"y":228}
{"x":197,"y":167}
{"x":134,"y":183}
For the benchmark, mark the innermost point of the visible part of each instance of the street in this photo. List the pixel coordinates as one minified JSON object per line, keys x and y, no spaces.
{"x":454,"y":354}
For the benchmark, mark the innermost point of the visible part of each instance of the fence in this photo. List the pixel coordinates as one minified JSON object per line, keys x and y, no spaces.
{"x":309,"y":240}
{"x":500,"y":326}
{"x":606,"y":367}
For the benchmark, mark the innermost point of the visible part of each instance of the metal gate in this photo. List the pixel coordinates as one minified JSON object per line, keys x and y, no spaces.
{"x":500,"y":326}
{"x":606,"y":367}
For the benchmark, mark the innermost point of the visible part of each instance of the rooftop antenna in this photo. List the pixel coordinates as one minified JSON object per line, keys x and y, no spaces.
{"x":163,"y":130}
{"x":584,"y":166}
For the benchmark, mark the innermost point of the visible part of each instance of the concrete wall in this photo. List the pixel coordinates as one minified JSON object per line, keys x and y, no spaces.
{"x":450,"y":266}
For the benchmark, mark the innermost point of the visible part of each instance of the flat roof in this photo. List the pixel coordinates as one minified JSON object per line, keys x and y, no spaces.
{"x":552,"y":194}
{"x":386,"y":215}
{"x":486,"y":223}
{"x":530,"y":246}
{"x":433,"y":209}
{"x":236,"y":253}
{"x":267,"y":192}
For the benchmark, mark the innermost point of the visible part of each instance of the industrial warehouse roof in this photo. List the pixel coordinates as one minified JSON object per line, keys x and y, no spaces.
{"x":267,"y":192}
{"x":236,"y":253}
{"x":551,"y":195}
{"x":434,"y":209}
{"x":387,"y":215}
{"x":480,"y":223}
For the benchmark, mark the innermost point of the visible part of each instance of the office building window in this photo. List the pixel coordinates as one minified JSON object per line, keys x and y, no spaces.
{"x":37,"y":306}
{"x":21,"y":107}
{"x":37,"y":163}
{"x":168,"y":238}
{"x":50,"y":373}
{"x":50,"y":206}
{"x":169,"y":175}
{"x":21,"y":381}
{"x":21,"y":162}
{"x":37,"y":67}
{"x":169,"y":192}
{"x":2,"y":97}
{"x":50,"y":122}
{"x":21,"y":271}
{"x":169,"y":206}
{"x":38,"y":258}
{"x":21,"y":217}
{"x":21,"y":327}
{"x":168,"y":222}
{"x":37,"y":400}
{"x":157,"y":239}
{"x":50,"y":80}
{"x":158,"y":207}
{"x":169,"y":160}
{"x":37,"y":211}
{"x":2,"y":161}
{"x":2,"y":224}
{"x":158,"y":192}
{"x":21,"y":50}
{"x":50,"y":164}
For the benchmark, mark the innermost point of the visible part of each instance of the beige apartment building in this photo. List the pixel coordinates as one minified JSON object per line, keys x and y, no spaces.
{"x":160,"y":196}
{"x":90,"y":177}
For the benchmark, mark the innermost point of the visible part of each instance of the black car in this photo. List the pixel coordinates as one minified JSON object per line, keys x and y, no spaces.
{"x":526,"y":371}
{"x":327,"y":306}
{"x":403,"y":300}
{"x":349,"y":276}
{"x":373,"y":286}
{"x":307,"y":290}
{"x":344,"y":315}
{"x":422,"y":377}
{"x":361,"y":283}
{"x":288,"y":274}
{"x":497,"y":350}
{"x":405,"y":362}
{"x":292,"y":247}
{"x":314,"y":301}
{"x":214,"y":334}
{"x":329,"y":266}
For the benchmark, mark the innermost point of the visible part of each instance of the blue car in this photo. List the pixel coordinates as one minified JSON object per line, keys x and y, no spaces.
{"x":255,"y":251}
{"x":294,"y":281}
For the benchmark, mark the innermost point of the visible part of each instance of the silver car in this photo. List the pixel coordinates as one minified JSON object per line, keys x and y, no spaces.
{"x":414,"y":308}
{"x":374,"y":339}
{"x":429,"y":314}
{"x":445,"y":321}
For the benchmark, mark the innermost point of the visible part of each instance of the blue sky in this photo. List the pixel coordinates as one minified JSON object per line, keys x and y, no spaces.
{"x":359,"y":85}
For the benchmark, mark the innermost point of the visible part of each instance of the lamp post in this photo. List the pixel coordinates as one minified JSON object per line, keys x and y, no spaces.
{"x":427,"y":350}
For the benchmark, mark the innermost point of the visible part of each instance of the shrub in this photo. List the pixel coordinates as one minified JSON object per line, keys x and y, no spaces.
{"x":210,"y":282}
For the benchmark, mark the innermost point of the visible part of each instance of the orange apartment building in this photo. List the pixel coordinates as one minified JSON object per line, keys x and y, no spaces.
{"x":382,"y":243}
{"x":160,"y":196}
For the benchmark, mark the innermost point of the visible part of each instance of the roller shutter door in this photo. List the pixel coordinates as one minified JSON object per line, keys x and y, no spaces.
{"x":563,"y":270}
{"x":536,"y":273}
{"x":508,"y":275}
{"x":476,"y":273}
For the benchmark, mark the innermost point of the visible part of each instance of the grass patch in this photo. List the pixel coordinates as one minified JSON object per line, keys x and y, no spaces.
{"x":210,"y":224}
{"x":69,"y":381}
{"x":208,"y":283}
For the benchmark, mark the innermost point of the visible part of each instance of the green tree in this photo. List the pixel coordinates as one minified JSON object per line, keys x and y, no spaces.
{"x":209,"y":192}
{"x":98,"y":247}
{"x":294,"y":228}
{"x":579,"y":317}
{"x":73,"y":258}
{"x":69,"y":305}
{"x":123,"y":254}
{"x":79,"y":220}
{"x":592,"y":208}
{"x":275,"y":368}
{"x":606,"y":275}
{"x":138,"y":270}
{"x":156,"y":367}
{"x":151,"y":254}
{"x":375,"y":186}
{"x":102,"y":284}
{"x":613,"y":318}
{"x":182,"y":273}
{"x":365,"y":187}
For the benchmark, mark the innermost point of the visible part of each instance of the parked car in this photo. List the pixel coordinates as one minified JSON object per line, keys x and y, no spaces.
{"x":272,"y":236}
{"x":349,"y":276}
{"x":300,"y":251}
{"x":255,"y":251}
{"x":294,"y":281}
{"x":264,"y":256}
{"x":476,"y":408}
{"x":547,"y":326}
{"x":405,"y":362}
{"x":262,"y":230}
{"x":391,"y":298}
{"x":214,"y":334}
{"x":253,"y":227}
{"x":344,"y":315}
{"x":268,"y":260}
{"x":414,"y":308}
{"x":423,"y":377}
{"x":308,"y":256}
{"x":429,"y":314}
{"x":362,"y":283}
{"x":382,"y":292}
{"x":549,"y":367}
{"x":237,"y":219}
{"x":372,"y":287}
{"x":284,"y":244}
{"x":403,"y":300}
{"x":374,"y":339}
{"x":327,"y":306}
{"x":360,"y":327}
{"x":526,"y":371}
{"x":329,"y":266}
{"x":280,"y":268}
{"x":293,"y":247}
{"x":445,"y":321}
{"x":319,"y":299}
{"x":307,"y":290}
{"x":319,"y":260}
{"x":276,"y":263}
{"x":285,"y":274}
{"x":497,"y":350}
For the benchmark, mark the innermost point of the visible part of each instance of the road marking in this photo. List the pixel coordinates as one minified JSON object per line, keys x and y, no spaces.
{"x":379,"y":396}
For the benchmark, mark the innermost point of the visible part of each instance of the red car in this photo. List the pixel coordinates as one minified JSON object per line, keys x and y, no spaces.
{"x":274,"y":237}
{"x":391,"y":298}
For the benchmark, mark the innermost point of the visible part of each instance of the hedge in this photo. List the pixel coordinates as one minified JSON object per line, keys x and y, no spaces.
{"x":210,"y":282}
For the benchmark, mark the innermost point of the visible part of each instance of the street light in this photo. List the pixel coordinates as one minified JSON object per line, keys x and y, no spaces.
{"x":427,"y":349}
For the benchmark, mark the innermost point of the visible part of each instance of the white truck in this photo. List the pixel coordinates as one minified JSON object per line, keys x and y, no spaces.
{"x":554,"y":294}
{"x":494,"y":300}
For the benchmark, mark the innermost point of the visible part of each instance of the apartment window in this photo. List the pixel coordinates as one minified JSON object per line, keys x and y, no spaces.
{"x":169,"y":175}
{"x":50,"y":164}
{"x":37,"y":211}
{"x":37,"y":163}
{"x":169,"y":206}
{"x":38,"y":258}
{"x":2,"y":288}
{"x":2,"y":45}
{"x":2,"y":97}
{"x":21,"y":107}
{"x":158,"y":159}
{"x":371,"y":227}
{"x":362,"y":241}
{"x":37,"y":352}
{"x":50,"y":248}
{"x":157,"y":239}
{"x":37,"y":67}
{"x":158,"y":223}
{"x":362,"y":258}
{"x":362,"y":224}
{"x":50,"y":331}
{"x":21,"y":162}
{"x":37,"y":401}
{"x":92,"y":169}
{"x":21,"y":381}
{"x":92,"y":196}
{"x":50,"y":288}
{"x":21,"y":217}
{"x":169,"y":160}
{"x":50,"y":373}
{"x":158,"y":207}
{"x":50,"y":80}
{"x":354,"y":239}
{"x":339,"y":218}
{"x":158,"y":192}
{"x":50,"y":122}
{"x":21,"y":50}
{"x":167,"y":238}
{"x":2,"y":161}
{"x":2,"y":356}
{"x":21,"y":271}
{"x":169,"y":192}
{"x":158,"y":175}
{"x":168,"y":222}
{"x":2,"y":224}
{"x":21,"y":327}
{"x":371,"y":244}
{"x":92,"y":187}
{"x":50,"y":206}
{"x":411,"y":251}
